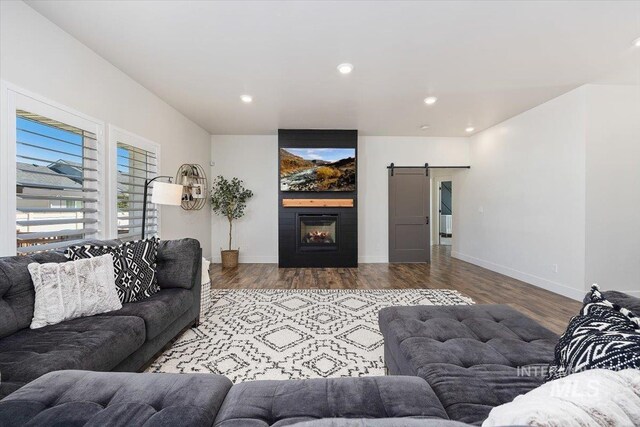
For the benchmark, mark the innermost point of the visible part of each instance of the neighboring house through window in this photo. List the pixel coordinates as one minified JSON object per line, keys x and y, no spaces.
{"x":57,"y":183}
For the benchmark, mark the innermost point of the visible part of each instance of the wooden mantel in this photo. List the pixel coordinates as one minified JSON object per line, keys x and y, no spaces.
{"x":317,"y":203}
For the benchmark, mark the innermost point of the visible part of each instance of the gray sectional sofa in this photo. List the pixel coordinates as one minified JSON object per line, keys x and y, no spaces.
{"x":449,"y":365}
{"x":123,"y":340}
{"x":469,"y":355}
{"x":81,"y":398}
{"x":474,"y":358}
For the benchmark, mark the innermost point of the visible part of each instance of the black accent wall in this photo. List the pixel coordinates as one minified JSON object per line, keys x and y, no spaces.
{"x":346,"y":254}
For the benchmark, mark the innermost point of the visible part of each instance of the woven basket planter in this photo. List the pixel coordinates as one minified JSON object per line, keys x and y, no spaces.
{"x":229,"y":258}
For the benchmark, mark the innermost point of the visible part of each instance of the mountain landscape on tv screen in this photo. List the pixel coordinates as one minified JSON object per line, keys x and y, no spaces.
{"x":317,"y":169}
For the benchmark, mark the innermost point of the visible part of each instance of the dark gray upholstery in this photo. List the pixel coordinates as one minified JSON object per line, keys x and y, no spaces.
{"x":16,"y":291}
{"x":620,"y":298}
{"x":96,"y":343}
{"x":16,"y":295}
{"x":175,"y":264}
{"x":188,"y":255}
{"x":140,"y":358}
{"x":379,"y":422}
{"x":280,"y":403}
{"x":469,"y":355}
{"x":455,"y":362}
{"x":80,"y":398}
{"x":159,"y":310}
{"x":124,"y":340}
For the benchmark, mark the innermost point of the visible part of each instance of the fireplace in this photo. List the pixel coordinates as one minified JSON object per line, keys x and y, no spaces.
{"x":318,"y":232}
{"x":317,"y":229}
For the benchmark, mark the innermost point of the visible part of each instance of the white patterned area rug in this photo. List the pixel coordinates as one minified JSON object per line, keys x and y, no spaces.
{"x":284,"y":334}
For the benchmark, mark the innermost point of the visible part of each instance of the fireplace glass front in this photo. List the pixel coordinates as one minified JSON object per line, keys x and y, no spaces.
{"x":318,"y":232}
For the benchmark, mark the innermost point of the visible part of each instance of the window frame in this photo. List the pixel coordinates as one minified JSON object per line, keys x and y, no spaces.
{"x":14,"y":98}
{"x":115,"y":135}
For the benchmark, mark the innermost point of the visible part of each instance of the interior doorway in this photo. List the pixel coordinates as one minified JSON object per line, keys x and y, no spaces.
{"x":445,"y":212}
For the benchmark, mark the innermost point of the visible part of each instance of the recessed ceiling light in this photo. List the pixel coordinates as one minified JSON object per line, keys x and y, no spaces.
{"x":470,"y":129}
{"x":636,"y":42}
{"x":246,"y":98}
{"x":345,"y":68}
{"x":430,"y":100}
{"x":424,"y":127}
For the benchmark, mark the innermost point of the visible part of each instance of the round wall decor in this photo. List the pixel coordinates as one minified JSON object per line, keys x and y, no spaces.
{"x":195,"y":190}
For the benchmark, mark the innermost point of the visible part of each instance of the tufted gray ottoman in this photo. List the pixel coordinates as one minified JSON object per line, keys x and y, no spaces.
{"x":473,"y":357}
{"x":116,"y":399}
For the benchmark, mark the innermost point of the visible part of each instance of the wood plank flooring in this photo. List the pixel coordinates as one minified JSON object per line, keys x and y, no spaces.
{"x":444,"y":272}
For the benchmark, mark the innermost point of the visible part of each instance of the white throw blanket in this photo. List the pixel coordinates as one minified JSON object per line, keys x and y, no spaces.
{"x":591,"y":398}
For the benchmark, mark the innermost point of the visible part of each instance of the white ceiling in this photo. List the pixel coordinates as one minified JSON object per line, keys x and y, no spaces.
{"x":485,"y":61}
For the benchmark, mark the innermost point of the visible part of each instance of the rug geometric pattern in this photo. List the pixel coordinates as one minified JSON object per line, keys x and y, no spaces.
{"x":284,"y":334}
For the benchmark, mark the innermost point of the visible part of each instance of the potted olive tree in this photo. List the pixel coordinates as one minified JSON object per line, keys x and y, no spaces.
{"x":229,"y":199}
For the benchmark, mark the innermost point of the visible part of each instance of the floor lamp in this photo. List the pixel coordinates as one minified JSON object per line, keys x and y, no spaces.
{"x":164,"y":193}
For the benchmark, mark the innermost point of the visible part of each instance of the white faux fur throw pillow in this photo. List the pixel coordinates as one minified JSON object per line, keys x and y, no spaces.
{"x":597,"y":397}
{"x":73,"y":289}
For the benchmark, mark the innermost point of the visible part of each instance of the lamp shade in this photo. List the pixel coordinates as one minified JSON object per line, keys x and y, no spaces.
{"x":165,"y":193}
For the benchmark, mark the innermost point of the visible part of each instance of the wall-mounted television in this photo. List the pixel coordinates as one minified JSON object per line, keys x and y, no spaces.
{"x":317,"y":169}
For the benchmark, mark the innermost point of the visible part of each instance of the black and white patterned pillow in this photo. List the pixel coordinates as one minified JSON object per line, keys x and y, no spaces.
{"x":603,"y":336}
{"x":134,"y":264}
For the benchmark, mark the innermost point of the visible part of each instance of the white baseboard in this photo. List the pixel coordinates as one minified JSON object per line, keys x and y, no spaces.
{"x":540,"y":282}
{"x":372,"y":259}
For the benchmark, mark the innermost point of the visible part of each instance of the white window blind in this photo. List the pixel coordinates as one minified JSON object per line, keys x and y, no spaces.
{"x":134,"y":166}
{"x":57,"y":183}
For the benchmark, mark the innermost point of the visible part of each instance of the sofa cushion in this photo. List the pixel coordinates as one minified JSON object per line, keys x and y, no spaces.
{"x":96,"y":343}
{"x":16,"y":290}
{"x":179,"y":263}
{"x":279,"y":403}
{"x":379,"y":422}
{"x":116,"y":399}
{"x":473,"y":357}
{"x":620,"y":298}
{"x":469,"y":394}
{"x":159,"y":310}
{"x":68,"y":290}
{"x":16,"y":295}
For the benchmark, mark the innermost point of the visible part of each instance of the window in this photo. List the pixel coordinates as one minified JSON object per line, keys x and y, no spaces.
{"x":136,"y":161}
{"x":57,"y":180}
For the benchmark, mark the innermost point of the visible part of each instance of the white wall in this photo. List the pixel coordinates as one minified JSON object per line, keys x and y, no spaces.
{"x":375,"y":153}
{"x":613,"y":187}
{"x":254,"y":159}
{"x":521,"y":208}
{"x":38,"y":56}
